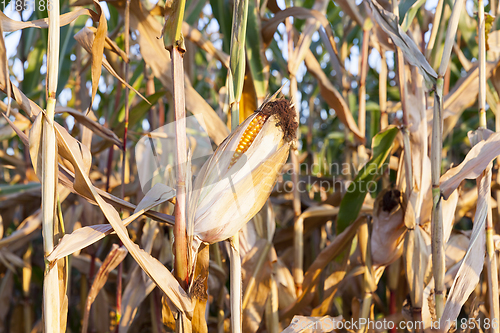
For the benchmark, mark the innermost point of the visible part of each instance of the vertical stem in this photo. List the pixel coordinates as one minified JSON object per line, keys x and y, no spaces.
{"x":435,"y":27}
{"x":298,"y":270}
{"x":127,"y":47}
{"x":124,"y":155}
{"x":181,"y":258}
{"x":51,"y":298}
{"x":362,"y":90}
{"x":236,"y":294}
{"x":368,"y":283}
{"x":482,"y":65}
{"x":382,"y":92}
{"x":491,"y":258}
{"x":237,"y":76}
{"x":437,"y":245}
{"x":382,"y":97}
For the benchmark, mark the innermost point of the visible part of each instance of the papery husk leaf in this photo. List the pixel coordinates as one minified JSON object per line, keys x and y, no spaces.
{"x":199,"y":289}
{"x":222,"y":194}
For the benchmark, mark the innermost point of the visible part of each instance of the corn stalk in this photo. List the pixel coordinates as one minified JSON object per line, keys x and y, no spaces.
{"x":174,"y":42}
{"x":236,"y":77}
{"x":363,"y":157}
{"x":437,"y":244}
{"x":491,"y":259}
{"x":51,"y":297}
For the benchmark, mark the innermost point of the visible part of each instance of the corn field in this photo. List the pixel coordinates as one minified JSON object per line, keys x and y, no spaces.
{"x":249,"y":166}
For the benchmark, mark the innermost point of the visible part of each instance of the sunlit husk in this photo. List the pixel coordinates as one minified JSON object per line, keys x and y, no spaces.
{"x":226,"y":196}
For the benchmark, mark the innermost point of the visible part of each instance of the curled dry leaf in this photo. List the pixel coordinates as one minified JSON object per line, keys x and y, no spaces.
{"x":389,"y":23}
{"x":29,"y":225}
{"x":471,"y":265}
{"x":332,"y":96}
{"x":113,"y":259}
{"x":476,"y":161}
{"x":98,"y":50}
{"x":311,"y":277}
{"x":86,"y":236}
{"x":9,"y":25}
{"x":87,"y":39}
{"x":91,"y":124}
{"x":388,"y":228}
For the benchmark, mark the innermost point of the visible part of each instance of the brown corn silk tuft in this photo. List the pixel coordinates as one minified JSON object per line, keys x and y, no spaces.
{"x":285,"y":114}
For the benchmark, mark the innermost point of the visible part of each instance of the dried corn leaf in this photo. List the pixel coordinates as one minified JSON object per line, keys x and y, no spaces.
{"x":77,"y":154}
{"x":388,"y":228}
{"x":98,"y":50}
{"x":155,"y":55}
{"x":86,"y":236}
{"x":332,"y":97}
{"x":476,"y":161}
{"x":91,"y":124}
{"x":29,"y":225}
{"x":35,"y":138}
{"x":9,"y":25}
{"x":113,"y":259}
{"x":471,"y":265}
{"x":135,"y":293}
{"x":389,"y":23}
{"x":449,"y":207}
{"x":88,"y":40}
{"x":311,"y":278}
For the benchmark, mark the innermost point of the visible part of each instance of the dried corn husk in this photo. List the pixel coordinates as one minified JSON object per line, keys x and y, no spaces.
{"x":236,"y":181}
